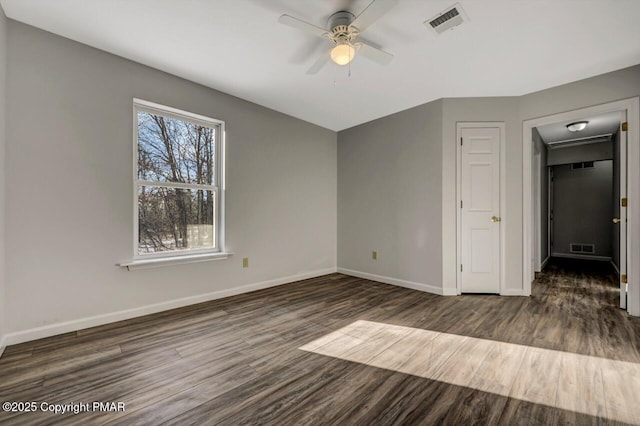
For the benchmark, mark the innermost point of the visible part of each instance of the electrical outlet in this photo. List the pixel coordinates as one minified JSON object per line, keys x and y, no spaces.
{"x":374,"y":255}
{"x":245,"y":262}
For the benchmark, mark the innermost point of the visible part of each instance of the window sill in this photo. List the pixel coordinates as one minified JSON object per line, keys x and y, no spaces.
{"x":173,"y":260}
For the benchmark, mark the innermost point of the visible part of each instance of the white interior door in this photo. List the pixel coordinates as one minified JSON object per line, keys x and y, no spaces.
{"x":480,"y":210}
{"x":622,"y":220}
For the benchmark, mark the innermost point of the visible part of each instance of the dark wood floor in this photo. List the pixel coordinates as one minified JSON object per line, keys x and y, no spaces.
{"x":237,"y":360}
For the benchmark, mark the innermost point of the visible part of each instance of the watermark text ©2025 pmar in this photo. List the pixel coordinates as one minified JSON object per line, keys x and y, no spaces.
{"x":58,"y":408}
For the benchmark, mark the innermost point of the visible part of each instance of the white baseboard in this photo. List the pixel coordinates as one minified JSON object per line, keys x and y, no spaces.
{"x":82,"y":323}
{"x":582,"y":256}
{"x":449,"y":291}
{"x":513,"y":292}
{"x":398,"y":282}
{"x":615,"y":267}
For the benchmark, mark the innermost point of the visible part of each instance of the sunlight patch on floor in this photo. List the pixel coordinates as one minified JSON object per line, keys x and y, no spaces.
{"x":585,"y":384}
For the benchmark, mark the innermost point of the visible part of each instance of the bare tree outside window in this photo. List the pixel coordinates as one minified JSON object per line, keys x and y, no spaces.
{"x":177,"y":183}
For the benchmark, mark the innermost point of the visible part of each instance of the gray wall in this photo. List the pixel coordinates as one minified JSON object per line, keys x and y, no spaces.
{"x":615,"y":229}
{"x":389,"y":173}
{"x":591,"y":152}
{"x":502,"y":109}
{"x":609,"y":87}
{"x":69,"y":186}
{"x":512,"y":111}
{"x":3,"y":79}
{"x":582,"y":208}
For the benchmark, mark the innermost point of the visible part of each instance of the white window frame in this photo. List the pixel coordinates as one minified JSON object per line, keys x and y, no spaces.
{"x":219,"y":189}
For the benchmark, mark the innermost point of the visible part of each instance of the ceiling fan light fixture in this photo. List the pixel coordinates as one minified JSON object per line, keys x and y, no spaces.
{"x":577,"y":126}
{"x":342,"y":53}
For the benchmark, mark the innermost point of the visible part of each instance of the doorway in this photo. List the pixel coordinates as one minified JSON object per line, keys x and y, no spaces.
{"x":575,"y":192}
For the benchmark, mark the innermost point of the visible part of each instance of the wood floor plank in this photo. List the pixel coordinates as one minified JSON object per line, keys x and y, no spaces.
{"x":621,"y":391}
{"x":580,"y":385}
{"x":537,"y":379}
{"x":57,"y":365}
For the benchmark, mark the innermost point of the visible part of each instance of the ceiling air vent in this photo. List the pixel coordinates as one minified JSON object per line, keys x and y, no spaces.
{"x":450,"y":18}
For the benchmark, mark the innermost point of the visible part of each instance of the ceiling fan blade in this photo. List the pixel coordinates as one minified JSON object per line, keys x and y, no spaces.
{"x":319,"y":63}
{"x":372,"y":13}
{"x":290,"y":21}
{"x":373,"y":53}
{"x":308,"y":49}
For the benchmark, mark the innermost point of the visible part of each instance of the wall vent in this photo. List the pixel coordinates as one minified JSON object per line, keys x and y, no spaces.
{"x":582,"y":165}
{"x":448,"y":19}
{"x":582,"y":248}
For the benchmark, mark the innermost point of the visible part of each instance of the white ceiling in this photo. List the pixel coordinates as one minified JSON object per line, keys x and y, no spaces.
{"x":598,"y":125}
{"x":508,"y":47}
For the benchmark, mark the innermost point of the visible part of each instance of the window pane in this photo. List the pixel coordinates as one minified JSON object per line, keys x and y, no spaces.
{"x":171,"y":219}
{"x":171,"y":150}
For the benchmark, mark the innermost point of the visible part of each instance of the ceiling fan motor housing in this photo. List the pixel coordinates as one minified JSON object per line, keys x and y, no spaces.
{"x":341,"y":18}
{"x":341,"y":31}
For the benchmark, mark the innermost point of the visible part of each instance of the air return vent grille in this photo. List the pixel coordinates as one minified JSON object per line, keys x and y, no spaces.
{"x":452,"y":17}
{"x":583,"y":165}
{"x":582,"y":248}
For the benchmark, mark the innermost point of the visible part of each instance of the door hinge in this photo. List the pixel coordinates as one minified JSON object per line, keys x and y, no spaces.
{"x":623,"y":278}
{"x":460,"y":141}
{"x":460,"y":203}
{"x":623,"y":202}
{"x":624,"y":126}
{"x":461,"y":267}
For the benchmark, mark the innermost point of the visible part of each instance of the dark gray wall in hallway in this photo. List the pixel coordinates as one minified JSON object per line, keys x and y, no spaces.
{"x":582,"y":207}
{"x":591,"y":152}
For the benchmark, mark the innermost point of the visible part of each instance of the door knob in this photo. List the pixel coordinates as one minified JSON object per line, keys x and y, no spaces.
{"x":616,"y":220}
{"x":495,"y":219}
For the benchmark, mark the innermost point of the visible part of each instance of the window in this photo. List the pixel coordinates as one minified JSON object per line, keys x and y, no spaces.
{"x":178,"y":182}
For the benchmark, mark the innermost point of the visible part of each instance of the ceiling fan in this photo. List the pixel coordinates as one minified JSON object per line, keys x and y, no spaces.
{"x":344,"y":32}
